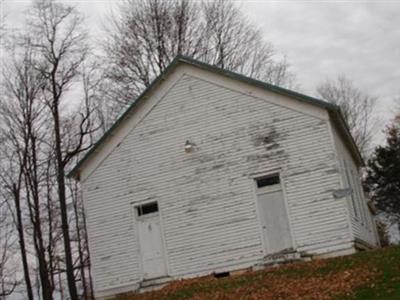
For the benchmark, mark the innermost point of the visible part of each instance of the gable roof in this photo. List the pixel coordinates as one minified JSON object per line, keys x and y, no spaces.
{"x":334,"y":110}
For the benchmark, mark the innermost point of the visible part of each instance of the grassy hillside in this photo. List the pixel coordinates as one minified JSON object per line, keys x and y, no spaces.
{"x":368,"y":275}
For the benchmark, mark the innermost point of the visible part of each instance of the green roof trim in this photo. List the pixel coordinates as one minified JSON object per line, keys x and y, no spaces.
{"x":333,"y":109}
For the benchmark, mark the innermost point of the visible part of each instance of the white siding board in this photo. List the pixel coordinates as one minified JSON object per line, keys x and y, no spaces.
{"x":206,"y":198}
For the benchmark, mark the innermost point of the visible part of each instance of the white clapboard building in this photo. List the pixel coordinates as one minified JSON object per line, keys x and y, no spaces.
{"x":209,"y":171}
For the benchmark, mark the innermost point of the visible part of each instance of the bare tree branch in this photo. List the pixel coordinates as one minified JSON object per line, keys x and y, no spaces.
{"x":357,"y":108}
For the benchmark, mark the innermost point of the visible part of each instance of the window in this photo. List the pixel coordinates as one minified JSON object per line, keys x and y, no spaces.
{"x":357,"y":194}
{"x":360,"y":197}
{"x":349,"y":181}
{"x":267,"y":181}
{"x":357,"y":197}
{"x":147,"y":208}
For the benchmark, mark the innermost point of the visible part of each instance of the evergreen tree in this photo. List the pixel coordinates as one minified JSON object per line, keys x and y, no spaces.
{"x":383,"y":174}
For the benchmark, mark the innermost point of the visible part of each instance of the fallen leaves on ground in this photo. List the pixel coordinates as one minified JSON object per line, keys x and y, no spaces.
{"x":369,"y":275}
{"x":316,"y":280}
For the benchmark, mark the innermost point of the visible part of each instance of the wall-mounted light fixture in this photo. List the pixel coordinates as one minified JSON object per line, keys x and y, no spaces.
{"x":189,"y":146}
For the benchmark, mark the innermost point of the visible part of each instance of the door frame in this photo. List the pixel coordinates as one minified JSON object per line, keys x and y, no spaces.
{"x":135,"y":217}
{"x":254,"y":177}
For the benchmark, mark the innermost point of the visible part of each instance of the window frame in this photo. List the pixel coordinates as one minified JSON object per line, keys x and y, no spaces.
{"x":275,"y":186}
{"x":350,"y":185}
{"x":139,"y":210}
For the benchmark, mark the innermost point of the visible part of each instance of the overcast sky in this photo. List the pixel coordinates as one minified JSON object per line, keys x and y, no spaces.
{"x":320,"y":39}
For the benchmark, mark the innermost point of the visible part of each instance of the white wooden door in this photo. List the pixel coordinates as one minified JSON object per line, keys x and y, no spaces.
{"x":151,"y":243}
{"x":273,"y":216}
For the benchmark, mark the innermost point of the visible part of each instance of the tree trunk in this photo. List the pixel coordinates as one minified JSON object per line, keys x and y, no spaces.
{"x":21,"y":240}
{"x":32,"y":181}
{"x":80,"y":249}
{"x":89,"y":265}
{"x":62,"y":199}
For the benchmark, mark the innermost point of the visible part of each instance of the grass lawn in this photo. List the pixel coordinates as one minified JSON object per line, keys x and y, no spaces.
{"x":367,"y":275}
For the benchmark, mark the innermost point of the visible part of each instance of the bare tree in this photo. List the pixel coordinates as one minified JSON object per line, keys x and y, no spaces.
{"x":144,"y":36}
{"x":8,"y":280}
{"x":232,"y":42}
{"x":21,"y":110}
{"x":61,"y":47}
{"x":41,"y":134}
{"x":357,"y":108}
